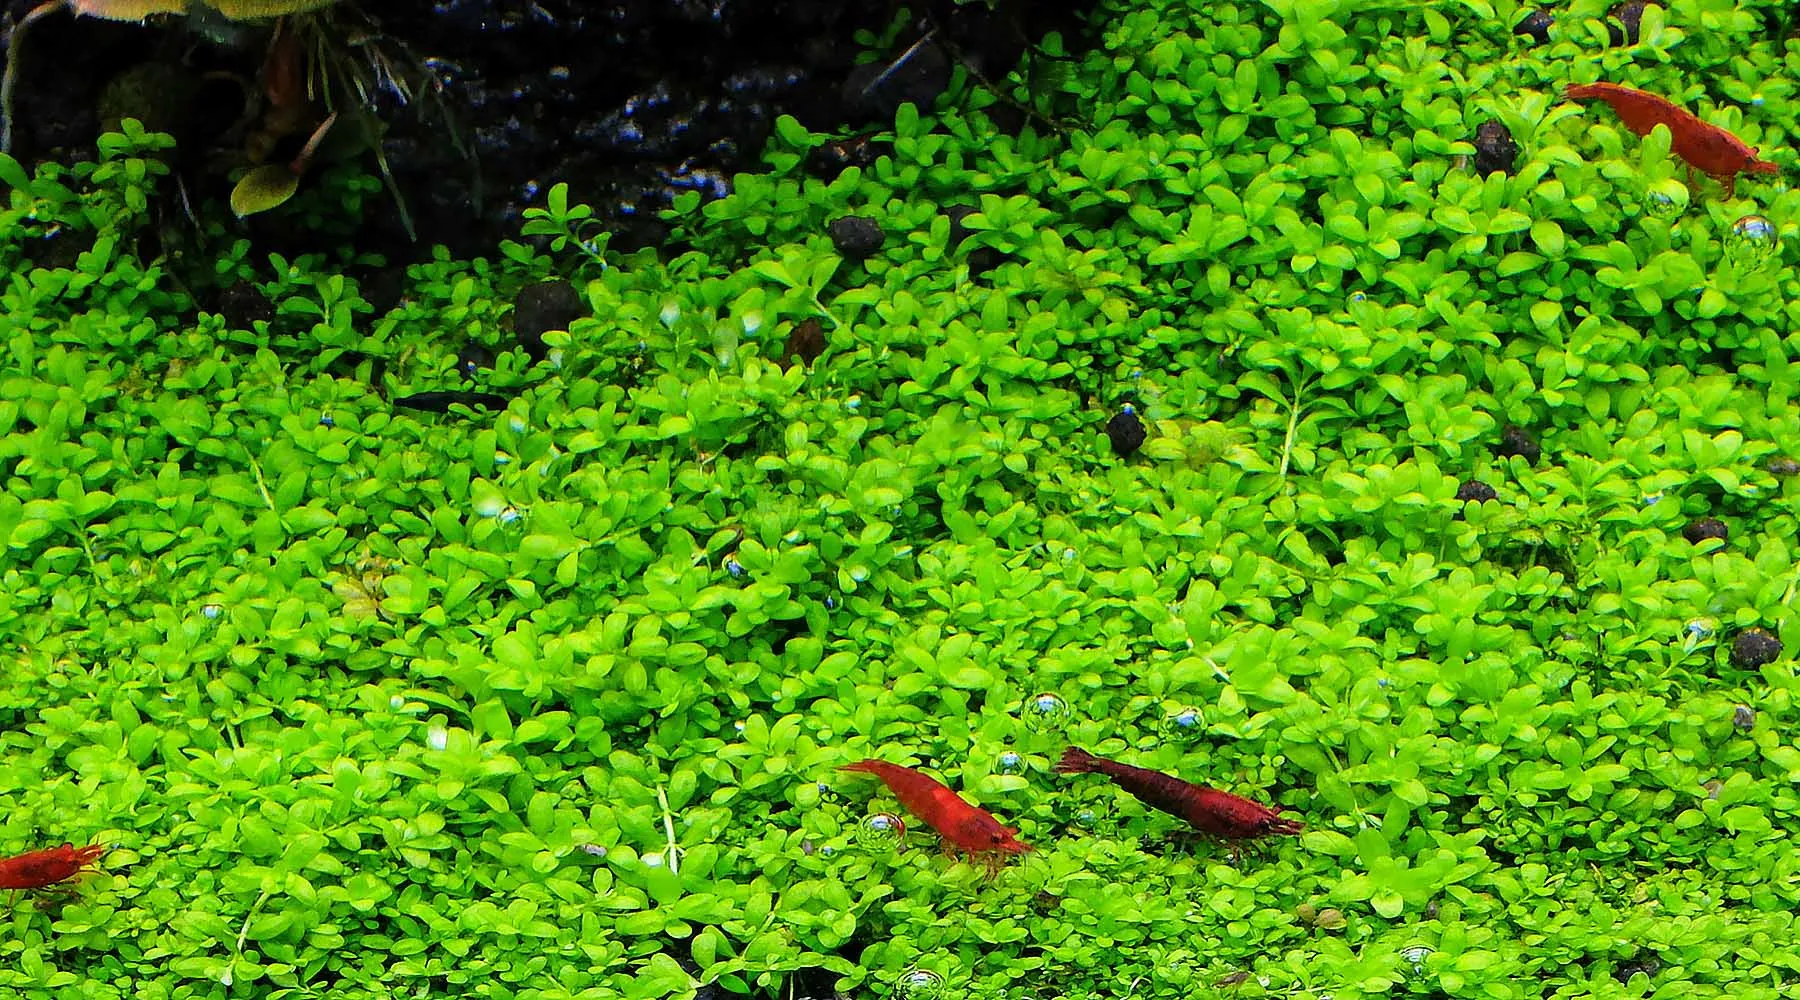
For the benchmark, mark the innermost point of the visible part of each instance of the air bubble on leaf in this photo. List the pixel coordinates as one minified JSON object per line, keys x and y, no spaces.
{"x":1664,"y":205}
{"x":396,"y":703}
{"x":1068,"y":555}
{"x":1696,"y":632}
{"x":919,"y":984}
{"x":211,"y":612}
{"x":828,"y":851}
{"x":326,"y":421}
{"x":725,"y":343}
{"x":1744,"y":718}
{"x":669,"y":314}
{"x":1416,"y":955}
{"x":437,"y":737}
{"x":508,"y":515}
{"x":502,"y":458}
{"x":1046,"y":712}
{"x":881,"y":831}
{"x":653,"y":860}
{"x":1358,"y":298}
{"x":1087,"y":819}
{"x":739,"y":726}
{"x":853,"y":404}
{"x":859,"y":573}
{"x":1010,"y":762}
{"x":517,"y":425}
{"x":595,"y":850}
{"x":1653,"y":499}
{"x":752,"y":322}
{"x":1752,"y":242}
{"x":1187,"y":724}
{"x":735,"y":568}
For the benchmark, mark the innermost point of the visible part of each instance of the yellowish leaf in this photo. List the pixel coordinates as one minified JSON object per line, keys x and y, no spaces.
{"x":128,"y":10}
{"x":262,"y":189}
{"x":239,"y":10}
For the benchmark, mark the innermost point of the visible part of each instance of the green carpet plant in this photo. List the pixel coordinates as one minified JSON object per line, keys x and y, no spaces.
{"x":547,"y":702}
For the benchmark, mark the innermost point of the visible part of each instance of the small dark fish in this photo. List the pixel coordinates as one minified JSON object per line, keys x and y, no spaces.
{"x":439,"y":401}
{"x":1221,"y":814}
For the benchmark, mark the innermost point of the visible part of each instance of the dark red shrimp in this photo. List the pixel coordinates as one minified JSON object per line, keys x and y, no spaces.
{"x":37,"y":869}
{"x":966,"y":827}
{"x":1704,"y":146}
{"x":1221,"y":814}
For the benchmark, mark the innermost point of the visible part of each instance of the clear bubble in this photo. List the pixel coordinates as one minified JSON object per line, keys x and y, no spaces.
{"x":859,"y":573}
{"x":1416,"y":955}
{"x":1697,"y":632}
{"x":437,"y":737}
{"x":1187,"y":724}
{"x":1128,"y":409}
{"x":1045,"y":712}
{"x":753,"y":322}
{"x":671,"y":312}
{"x":502,"y":458}
{"x":919,"y":984}
{"x":396,"y":703}
{"x":725,"y":343}
{"x":1087,"y":819}
{"x":1664,"y":205}
{"x":828,"y":851}
{"x":1358,"y":298}
{"x":1744,"y":717}
{"x":1068,"y":555}
{"x":1010,"y":762}
{"x":517,"y":425}
{"x":653,"y":860}
{"x":739,"y":726}
{"x":880,"y":831}
{"x":1752,"y":242}
{"x":555,"y":357}
{"x":326,"y":421}
{"x":735,"y":568}
{"x":595,"y":850}
{"x":211,"y":612}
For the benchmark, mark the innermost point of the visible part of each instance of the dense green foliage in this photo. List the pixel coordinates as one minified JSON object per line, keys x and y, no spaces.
{"x":374,"y":703}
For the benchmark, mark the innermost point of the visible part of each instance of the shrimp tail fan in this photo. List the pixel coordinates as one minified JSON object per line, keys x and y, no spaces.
{"x":1077,"y":761}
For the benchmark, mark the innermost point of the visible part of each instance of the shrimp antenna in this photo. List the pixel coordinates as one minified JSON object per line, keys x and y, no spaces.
{"x":894,"y":66}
